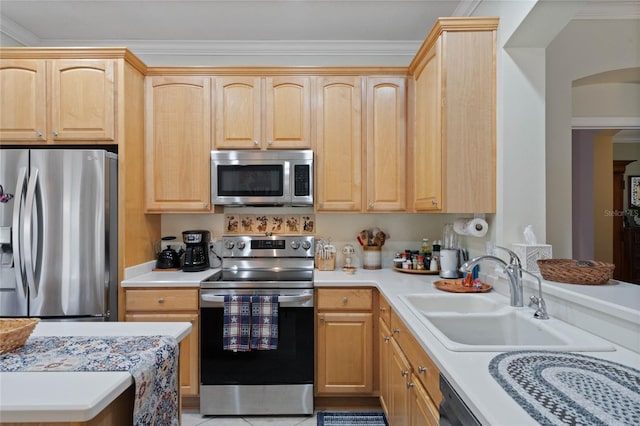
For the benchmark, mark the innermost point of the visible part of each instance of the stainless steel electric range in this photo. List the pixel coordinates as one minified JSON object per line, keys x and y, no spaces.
{"x":256,"y":382}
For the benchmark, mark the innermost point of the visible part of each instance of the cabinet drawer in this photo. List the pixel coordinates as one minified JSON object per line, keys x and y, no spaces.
{"x":384,"y":310}
{"x":425,"y":370}
{"x":161,"y":300}
{"x":345,"y":299}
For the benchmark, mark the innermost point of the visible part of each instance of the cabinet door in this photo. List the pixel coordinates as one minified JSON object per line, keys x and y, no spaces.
{"x":339,"y":144}
{"x":423,"y":411}
{"x":345,"y":353}
{"x":189,"y":348}
{"x":288,"y":112}
{"x":238,"y":113}
{"x":82,"y":106}
{"x":427,"y":155}
{"x":386,"y":144}
{"x":23,"y":100}
{"x":178,"y":144}
{"x":399,"y":389}
{"x":384,"y":343}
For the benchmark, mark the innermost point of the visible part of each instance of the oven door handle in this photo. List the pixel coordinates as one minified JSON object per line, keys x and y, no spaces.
{"x":291,"y":301}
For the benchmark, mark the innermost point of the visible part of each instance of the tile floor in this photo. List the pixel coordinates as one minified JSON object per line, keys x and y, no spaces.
{"x":193,"y":418}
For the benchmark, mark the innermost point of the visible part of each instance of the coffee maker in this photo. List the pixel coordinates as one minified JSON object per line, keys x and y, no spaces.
{"x":196,"y":252}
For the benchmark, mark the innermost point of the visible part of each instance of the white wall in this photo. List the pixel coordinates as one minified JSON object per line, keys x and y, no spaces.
{"x":606,"y":100}
{"x":583,"y":48}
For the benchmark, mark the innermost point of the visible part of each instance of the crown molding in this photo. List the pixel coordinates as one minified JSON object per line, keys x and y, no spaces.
{"x":466,"y":7}
{"x":605,"y":123}
{"x":18,"y":32}
{"x":254,"y":47}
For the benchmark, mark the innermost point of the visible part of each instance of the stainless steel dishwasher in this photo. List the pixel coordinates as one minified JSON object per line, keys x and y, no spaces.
{"x":453,"y":410}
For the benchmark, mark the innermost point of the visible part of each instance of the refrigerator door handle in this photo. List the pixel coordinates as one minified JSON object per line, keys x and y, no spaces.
{"x":29,"y":232}
{"x":16,"y":237}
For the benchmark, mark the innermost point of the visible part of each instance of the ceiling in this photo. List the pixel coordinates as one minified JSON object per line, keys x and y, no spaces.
{"x":258,"y":27}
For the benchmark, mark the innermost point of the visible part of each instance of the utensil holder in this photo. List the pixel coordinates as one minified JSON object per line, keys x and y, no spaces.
{"x":371,"y":258}
{"x":326,"y":264}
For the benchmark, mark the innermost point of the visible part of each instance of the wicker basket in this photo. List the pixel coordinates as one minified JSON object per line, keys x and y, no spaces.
{"x":576,"y":271}
{"x":15,"y":332}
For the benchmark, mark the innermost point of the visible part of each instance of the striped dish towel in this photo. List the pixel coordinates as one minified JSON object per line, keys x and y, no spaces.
{"x":236,"y":323}
{"x":264,"y":322}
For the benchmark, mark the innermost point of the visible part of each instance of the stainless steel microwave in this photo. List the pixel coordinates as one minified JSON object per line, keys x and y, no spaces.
{"x":268,"y":178}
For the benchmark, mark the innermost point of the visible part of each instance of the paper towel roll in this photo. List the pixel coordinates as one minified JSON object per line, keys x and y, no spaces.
{"x":474,"y":227}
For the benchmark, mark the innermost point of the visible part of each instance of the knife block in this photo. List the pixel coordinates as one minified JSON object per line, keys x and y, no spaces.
{"x":326,"y":264}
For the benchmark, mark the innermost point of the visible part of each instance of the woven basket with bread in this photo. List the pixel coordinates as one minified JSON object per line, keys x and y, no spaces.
{"x":576,"y":271}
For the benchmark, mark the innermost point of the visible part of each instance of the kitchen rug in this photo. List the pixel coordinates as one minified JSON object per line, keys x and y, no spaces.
{"x":560,"y":388}
{"x":340,"y":418}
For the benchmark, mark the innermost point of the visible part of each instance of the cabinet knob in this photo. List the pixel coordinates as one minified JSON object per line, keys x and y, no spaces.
{"x":421,"y":369}
{"x":370,"y":205}
{"x":386,"y":339}
{"x":256,"y":143}
{"x":345,"y":300}
{"x":382,"y":309}
{"x":434,"y":202}
{"x":38,"y":134}
{"x":410,"y":385}
{"x":55,"y":134}
{"x":270,"y":142}
{"x":161,"y":300}
{"x":321,"y":320}
{"x":396,"y":330}
{"x":404,"y":373}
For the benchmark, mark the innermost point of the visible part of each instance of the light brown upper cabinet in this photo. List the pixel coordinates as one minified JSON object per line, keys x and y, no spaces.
{"x":338,"y":143}
{"x":386,"y":141}
{"x":49,"y":101}
{"x":263,"y":112}
{"x":178,"y":143}
{"x":453,"y":117}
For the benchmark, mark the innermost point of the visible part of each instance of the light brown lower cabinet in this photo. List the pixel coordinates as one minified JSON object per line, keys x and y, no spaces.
{"x":344,"y":332}
{"x":171,"y":305}
{"x":409,"y":380}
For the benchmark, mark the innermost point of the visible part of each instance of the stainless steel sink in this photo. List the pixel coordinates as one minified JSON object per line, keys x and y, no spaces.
{"x":485,"y":323}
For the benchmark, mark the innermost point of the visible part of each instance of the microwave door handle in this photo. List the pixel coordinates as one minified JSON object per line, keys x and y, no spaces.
{"x":17,"y":237}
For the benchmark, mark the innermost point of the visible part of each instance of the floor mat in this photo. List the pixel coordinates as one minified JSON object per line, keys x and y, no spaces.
{"x":559,"y":388}
{"x":338,"y":418}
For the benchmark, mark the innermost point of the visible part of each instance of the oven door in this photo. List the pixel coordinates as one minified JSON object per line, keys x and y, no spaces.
{"x":290,"y":363}
{"x":258,"y":382}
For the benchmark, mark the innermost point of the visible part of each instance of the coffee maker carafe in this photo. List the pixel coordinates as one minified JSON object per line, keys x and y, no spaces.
{"x":196,"y":252}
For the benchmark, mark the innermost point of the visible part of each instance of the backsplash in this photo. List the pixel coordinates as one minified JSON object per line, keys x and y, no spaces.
{"x":403,"y":230}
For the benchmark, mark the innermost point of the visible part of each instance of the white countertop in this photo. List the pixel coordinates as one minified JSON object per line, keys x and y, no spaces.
{"x":468,"y":371}
{"x":609,"y":311}
{"x":74,"y":396}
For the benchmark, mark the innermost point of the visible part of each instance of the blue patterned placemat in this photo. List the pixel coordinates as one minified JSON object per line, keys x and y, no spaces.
{"x":560,"y":388}
{"x":338,"y":418}
{"x":151,"y":360}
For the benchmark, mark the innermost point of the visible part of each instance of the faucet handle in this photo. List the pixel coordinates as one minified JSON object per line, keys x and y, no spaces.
{"x":513,"y":257}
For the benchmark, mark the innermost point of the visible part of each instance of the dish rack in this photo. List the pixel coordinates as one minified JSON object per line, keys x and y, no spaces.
{"x":15,"y":332}
{"x":576,"y":271}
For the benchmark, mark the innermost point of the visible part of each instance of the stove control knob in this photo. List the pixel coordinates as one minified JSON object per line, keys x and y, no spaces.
{"x":295,"y":244}
{"x":306,"y":245}
{"x":228,"y":244}
{"x":241,"y":245}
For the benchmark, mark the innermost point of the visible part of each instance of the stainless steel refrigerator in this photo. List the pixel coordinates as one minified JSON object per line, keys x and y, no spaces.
{"x":58,"y":234}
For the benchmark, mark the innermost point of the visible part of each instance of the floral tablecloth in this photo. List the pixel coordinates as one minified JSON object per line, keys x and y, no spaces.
{"x":151,"y":360}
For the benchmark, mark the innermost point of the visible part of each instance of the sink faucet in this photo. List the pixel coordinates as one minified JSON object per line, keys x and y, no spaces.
{"x":513,"y":269}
